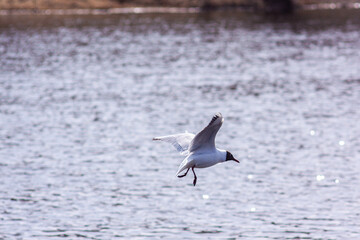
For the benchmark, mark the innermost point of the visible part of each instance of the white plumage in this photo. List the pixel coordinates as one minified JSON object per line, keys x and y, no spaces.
{"x":199,"y":149}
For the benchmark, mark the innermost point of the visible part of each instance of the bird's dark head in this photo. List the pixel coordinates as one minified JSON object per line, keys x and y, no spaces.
{"x":229,"y":157}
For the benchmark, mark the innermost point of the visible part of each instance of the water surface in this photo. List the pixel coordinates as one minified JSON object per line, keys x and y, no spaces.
{"x":82,"y":96}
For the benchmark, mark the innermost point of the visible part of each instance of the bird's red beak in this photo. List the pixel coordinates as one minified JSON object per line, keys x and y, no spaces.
{"x":236,"y":160}
{"x":233,"y":159}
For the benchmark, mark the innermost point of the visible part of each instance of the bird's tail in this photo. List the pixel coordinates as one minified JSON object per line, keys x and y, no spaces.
{"x":184,"y":165}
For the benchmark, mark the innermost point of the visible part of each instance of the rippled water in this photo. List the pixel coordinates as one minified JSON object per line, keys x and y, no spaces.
{"x":82,"y":96}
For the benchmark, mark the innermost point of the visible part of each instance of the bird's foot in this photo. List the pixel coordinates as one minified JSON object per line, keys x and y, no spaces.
{"x":184,"y":174}
{"x":194,"y":182}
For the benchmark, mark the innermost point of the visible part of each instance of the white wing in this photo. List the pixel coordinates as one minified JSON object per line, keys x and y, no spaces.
{"x":180,"y":141}
{"x":206,"y":138}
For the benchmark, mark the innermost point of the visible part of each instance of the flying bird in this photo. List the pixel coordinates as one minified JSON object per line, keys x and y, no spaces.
{"x":199,"y":149}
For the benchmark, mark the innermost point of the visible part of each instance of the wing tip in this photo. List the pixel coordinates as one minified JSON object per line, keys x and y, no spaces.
{"x":217,"y":116}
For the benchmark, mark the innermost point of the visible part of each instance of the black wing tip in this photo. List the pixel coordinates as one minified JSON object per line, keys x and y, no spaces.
{"x":216,"y":116}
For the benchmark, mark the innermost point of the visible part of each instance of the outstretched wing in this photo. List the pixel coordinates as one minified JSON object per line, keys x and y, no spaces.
{"x":180,"y":141}
{"x":206,"y":138}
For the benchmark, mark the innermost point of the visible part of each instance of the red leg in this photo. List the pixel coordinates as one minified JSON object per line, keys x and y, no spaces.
{"x":195,"y":178}
{"x":184,"y":174}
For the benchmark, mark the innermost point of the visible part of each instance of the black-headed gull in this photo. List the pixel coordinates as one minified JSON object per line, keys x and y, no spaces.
{"x":199,"y":149}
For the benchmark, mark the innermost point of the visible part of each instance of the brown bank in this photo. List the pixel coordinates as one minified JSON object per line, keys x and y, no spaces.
{"x":264,"y":5}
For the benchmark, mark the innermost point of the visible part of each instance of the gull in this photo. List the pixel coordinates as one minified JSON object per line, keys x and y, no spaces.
{"x":199,"y":149}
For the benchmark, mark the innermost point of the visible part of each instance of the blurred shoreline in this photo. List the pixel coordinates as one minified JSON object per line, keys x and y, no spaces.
{"x":99,"y":11}
{"x":104,"y":7}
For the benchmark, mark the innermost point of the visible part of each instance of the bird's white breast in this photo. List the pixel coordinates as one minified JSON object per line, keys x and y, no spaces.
{"x":208,"y":158}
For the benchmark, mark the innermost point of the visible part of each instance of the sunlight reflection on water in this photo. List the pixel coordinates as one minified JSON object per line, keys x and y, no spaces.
{"x":82,"y":96}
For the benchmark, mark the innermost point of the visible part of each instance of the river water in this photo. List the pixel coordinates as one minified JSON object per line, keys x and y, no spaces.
{"x":82,"y":96}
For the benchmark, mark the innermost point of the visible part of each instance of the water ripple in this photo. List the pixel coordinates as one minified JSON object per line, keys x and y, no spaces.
{"x":82,"y":96}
